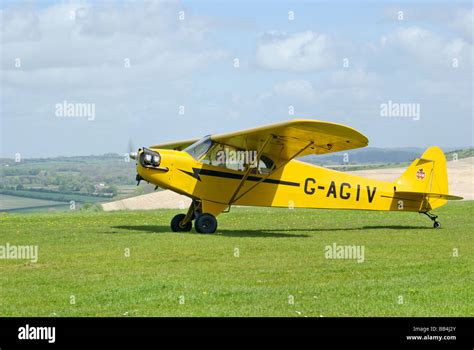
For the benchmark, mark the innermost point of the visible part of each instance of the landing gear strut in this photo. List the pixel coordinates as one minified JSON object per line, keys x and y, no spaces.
{"x":436,"y":224}
{"x":204,"y":222}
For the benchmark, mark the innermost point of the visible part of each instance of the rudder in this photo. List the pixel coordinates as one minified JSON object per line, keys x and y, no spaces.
{"x":427,"y":174}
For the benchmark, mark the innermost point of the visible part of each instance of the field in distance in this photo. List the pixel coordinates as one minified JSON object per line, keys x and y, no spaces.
{"x":25,"y":203}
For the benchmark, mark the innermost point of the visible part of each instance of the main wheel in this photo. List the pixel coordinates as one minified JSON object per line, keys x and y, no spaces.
{"x":205,"y":223}
{"x":436,"y":224}
{"x":176,"y":224}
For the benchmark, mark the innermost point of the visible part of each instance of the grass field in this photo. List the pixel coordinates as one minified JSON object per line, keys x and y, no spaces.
{"x":82,"y":257}
{"x":15,"y":202}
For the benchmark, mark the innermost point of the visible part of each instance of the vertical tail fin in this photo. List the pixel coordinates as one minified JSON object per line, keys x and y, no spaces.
{"x":427,"y":175}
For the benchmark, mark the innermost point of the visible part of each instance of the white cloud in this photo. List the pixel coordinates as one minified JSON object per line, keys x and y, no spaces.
{"x":340,"y":92}
{"x":91,"y":48}
{"x":427,"y":47}
{"x":77,"y":51}
{"x":19,"y":25}
{"x":300,"y":52}
{"x":296,"y":90}
{"x":353,"y":78}
{"x":463,"y":22}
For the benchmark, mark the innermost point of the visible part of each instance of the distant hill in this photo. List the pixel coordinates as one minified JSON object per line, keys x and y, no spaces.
{"x":373,"y":155}
{"x":460,"y":154}
{"x":85,"y":179}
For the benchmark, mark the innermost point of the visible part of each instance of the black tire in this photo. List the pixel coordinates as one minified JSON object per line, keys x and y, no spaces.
{"x":205,"y":223}
{"x":176,"y":221}
{"x":437,"y":224}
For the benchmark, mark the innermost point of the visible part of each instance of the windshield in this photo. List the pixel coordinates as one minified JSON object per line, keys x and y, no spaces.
{"x":199,"y":148}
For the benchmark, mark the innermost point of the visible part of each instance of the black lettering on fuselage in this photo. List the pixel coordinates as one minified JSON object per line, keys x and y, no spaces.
{"x":344,"y":190}
{"x":332,"y":190}
{"x":370,"y":196}
{"x":343,"y":195}
{"x":307,"y":189}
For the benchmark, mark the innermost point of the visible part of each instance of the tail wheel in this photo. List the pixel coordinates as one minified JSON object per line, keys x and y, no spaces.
{"x":433,"y":218}
{"x":176,"y":224}
{"x":205,"y":223}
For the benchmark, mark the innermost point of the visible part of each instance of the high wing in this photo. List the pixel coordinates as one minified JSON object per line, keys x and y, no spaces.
{"x":291,"y":138}
{"x":176,"y":145}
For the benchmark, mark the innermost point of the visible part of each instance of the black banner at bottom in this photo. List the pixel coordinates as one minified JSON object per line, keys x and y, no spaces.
{"x":61,"y":332}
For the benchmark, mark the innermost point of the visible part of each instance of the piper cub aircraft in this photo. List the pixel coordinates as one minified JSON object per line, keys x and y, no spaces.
{"x":257,"y":167}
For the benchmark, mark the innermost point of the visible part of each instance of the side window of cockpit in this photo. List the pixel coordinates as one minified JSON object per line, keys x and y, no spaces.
{"x":228,"y":157}
{"x":232,"y":158}
{"x":212,"y":156}
{"x":265,"y":165}
{"x":224,"y":156}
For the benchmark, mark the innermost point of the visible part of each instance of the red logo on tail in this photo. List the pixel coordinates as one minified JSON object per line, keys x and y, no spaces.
{"x":420,"y":174}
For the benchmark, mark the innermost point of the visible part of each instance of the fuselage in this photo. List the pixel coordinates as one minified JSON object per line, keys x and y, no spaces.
{"x":295,"y":185}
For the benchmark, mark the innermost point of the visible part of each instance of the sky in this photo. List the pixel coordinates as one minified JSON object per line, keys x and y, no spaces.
{"x":93,"y":77}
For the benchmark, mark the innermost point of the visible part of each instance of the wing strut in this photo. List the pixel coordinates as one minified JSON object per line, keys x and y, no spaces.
{"x":268,"y":175}
{"x":249,"y":168}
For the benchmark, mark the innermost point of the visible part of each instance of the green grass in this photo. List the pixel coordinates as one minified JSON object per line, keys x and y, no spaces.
{"x":281,"y":254}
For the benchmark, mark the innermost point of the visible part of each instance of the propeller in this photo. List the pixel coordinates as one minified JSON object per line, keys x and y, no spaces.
{"x":132,"y":154}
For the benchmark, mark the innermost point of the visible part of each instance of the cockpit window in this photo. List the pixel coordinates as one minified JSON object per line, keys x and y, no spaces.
{"x":232,"y":158}
{"x":226,"y":157}
{"x":265,"y":165}
{"x":199,"y":148}
{"x":216,"y":154}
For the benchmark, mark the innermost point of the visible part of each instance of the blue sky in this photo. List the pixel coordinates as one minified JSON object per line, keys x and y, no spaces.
{"x":423,"y":58}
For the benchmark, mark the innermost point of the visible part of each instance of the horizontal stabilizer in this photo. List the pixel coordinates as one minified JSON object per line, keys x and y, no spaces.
{"x":411,"y":194}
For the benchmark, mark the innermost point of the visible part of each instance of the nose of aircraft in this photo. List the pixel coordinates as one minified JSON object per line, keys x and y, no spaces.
{"x":147,"y":158}
{"x":133,"y":155}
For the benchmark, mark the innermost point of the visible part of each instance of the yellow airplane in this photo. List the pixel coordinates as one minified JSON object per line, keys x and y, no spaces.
{"x":257,"y":167}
